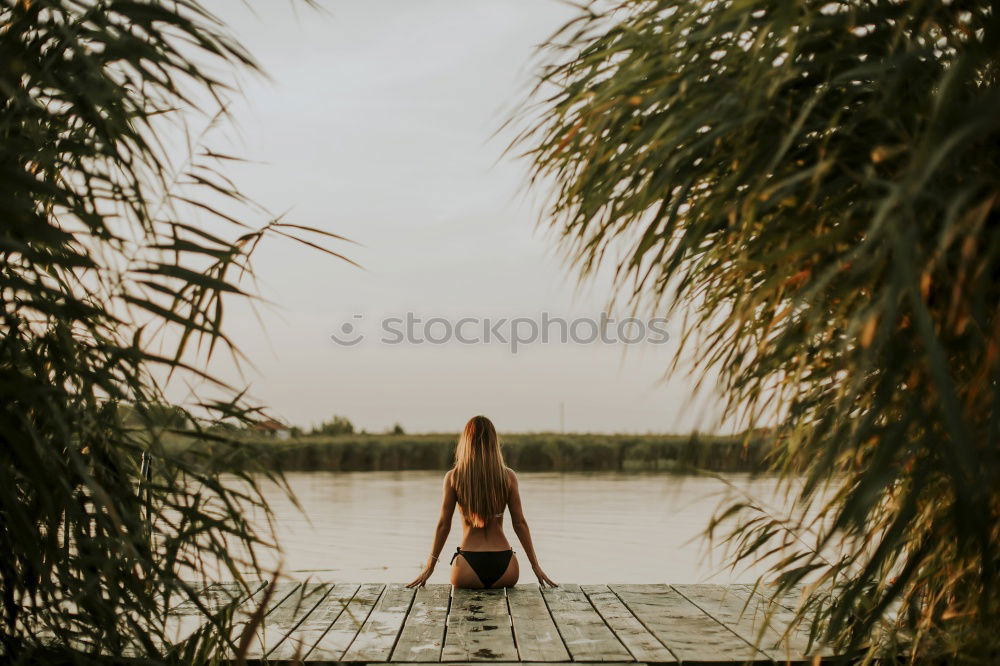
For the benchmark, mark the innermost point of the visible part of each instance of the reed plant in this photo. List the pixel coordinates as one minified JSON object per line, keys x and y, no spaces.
{"x":814,"y":185}
{"x":122,"y":241}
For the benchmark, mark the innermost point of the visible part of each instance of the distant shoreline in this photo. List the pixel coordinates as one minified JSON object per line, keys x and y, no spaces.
{"x":536,"y":452}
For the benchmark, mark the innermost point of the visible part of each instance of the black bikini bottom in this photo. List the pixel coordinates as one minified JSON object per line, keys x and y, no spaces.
{"x":489,"y":565}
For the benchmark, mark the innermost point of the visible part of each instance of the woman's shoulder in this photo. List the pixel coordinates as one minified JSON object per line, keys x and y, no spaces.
{"x":511,"y":476}
{"x":449,"y":486}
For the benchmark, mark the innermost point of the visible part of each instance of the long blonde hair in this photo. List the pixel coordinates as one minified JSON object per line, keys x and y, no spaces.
{"x":479,"y":475}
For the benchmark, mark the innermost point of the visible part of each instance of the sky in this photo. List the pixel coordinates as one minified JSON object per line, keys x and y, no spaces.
{"x":379,"y":121}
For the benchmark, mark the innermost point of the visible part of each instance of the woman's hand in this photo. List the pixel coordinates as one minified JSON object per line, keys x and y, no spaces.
{"x":544,"y":580}
{"x":421,"y":580}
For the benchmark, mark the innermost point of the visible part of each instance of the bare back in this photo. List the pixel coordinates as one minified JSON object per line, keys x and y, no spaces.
{"x":489,"y":537}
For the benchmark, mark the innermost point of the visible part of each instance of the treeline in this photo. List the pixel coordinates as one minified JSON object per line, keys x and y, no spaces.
{"x":527,"y":452}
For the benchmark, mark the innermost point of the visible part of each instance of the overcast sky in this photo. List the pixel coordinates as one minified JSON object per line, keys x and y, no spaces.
{"x":378,"y":123}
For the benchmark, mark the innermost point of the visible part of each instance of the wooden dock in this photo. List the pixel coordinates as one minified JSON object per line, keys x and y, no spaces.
{"x":368,"y":623}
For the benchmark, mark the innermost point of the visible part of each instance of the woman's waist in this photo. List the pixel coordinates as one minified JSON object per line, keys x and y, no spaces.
{"x":494,"y":541}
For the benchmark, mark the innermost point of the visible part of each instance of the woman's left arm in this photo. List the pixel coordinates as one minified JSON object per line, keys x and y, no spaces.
{"x":440,"y":532}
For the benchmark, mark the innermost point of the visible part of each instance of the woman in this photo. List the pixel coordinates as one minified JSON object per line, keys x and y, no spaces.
{"x":481,"y":485}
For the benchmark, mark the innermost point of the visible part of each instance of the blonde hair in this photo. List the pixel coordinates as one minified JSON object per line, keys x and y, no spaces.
{"x":479,"y":475}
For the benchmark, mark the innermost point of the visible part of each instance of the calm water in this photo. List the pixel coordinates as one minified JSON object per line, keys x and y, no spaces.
{"x":587,"y":528}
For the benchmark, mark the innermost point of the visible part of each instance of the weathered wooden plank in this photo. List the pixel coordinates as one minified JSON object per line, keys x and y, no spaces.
{"x":315,"y":625}
{"x":188,"y":616}
{"x":479,"y":627}
{"x":245,"y":614}
{"x":185,"y":617}
{"x":173,"y":602}
{"x":731,"y":609}
{"x":281,"y":620}
{"x":534,"y":630}
{"x":687,"y":631}
{"x":790,"y":599}
{"x":334,"y":643}
{"x":179,"y":595}
{"x":422,"y":637}
{"x":584,"y":632}
{"x":643,"y":645}
{"x":781,"y":617}
{"x":278,"y":594}
{"x":378,"y":635}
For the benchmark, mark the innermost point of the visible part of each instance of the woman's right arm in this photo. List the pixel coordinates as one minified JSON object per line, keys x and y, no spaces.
{"x":520,"y":525}
{"x":448,"y":500}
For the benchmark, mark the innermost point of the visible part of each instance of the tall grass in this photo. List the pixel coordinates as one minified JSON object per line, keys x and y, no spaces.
{"x":817,"y":185}
{"x":111,"y":284}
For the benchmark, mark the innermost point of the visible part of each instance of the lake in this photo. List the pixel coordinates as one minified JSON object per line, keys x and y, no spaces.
{"x":587,"y":527}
